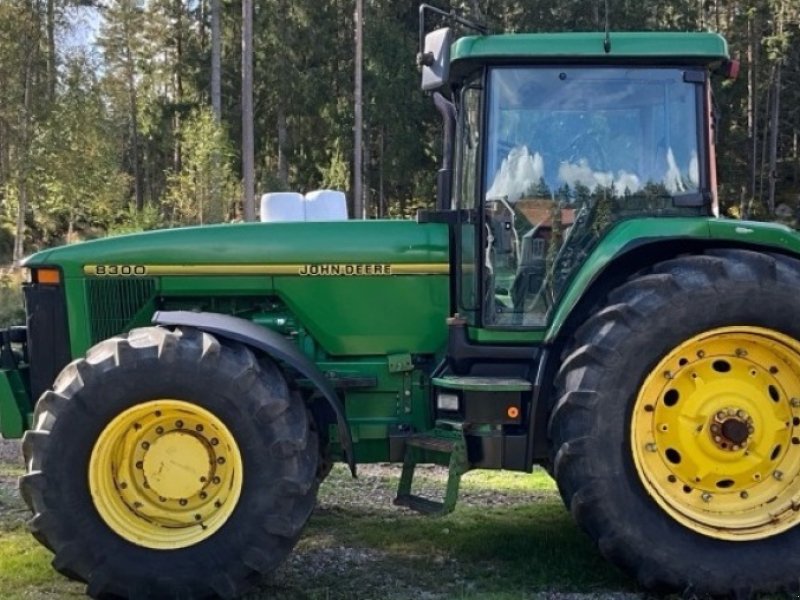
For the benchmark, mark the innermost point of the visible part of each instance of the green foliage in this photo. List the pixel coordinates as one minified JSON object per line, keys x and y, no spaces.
{"x":336,"y":175}
{"x":11,"y":307}
{"x":131,"y":220}
{"x":76,"y":165}
{"x":204,"y":190}
{"x":129,"y":127}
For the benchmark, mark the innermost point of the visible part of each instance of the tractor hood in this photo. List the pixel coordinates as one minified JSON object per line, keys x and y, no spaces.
{"x":257,"y":245}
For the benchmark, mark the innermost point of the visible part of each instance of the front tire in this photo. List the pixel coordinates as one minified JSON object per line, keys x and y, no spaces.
{"x":677,"y":429}
{"x":166,"y":464}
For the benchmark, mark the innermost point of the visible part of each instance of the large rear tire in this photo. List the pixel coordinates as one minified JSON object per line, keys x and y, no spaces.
{"x":166,"y":464}
{"x":677,"y":430}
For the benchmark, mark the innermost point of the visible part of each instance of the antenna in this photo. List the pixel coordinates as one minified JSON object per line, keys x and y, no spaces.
{"x":607,"y":38}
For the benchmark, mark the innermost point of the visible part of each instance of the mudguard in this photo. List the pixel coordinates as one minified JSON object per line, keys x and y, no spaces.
{"x":273,"y":344}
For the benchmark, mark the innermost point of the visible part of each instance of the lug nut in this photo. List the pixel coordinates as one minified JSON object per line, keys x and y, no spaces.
{"x":741,"y":352}
{"x":216,"y":480}
{"x":199,"y":428}
{"x":778,"y":475}
{"x":721,"y":415}
{"x":145,"y":445}
{"x":744,"y":495}
{"x":221,"y":460}
{"x":668,"y":375}
{"x":705,"y":497}
{"x":179,"y":424}
{"x":197,"y":517}
{"x":139,"y":465}
{"x":203,"y":495}
{"x":214,"y":441}
{"x":650,"y":447}
{"x":159,"y":430}
{"x":183,"y":502}
{"x":701,"y":354}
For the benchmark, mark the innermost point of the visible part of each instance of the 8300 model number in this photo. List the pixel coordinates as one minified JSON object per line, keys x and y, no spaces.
{"x":116,"y":270}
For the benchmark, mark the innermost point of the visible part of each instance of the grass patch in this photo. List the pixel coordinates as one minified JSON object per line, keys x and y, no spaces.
{"x":509,"y":539}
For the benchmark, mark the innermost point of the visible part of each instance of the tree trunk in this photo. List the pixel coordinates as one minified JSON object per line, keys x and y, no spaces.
{"x":774,"y":131}
{"x":248,"y":152}
{"x":381,"y":157}
{"x":358,"y":198}
{"x":51,"y":50}
{"x":133,"y":121}
{"x":752,"y":102}
{"x":283,"y":140}
{"x":178,"y":7}
{"x":216,"y":61}
{"x":24,"y":153}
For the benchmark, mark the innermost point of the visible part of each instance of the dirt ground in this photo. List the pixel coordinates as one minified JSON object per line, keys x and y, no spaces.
{"x":510,"y":538}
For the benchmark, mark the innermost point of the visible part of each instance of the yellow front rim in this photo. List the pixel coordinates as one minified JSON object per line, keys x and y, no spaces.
{"x":716,"y":433}
{"x":165,"y":474}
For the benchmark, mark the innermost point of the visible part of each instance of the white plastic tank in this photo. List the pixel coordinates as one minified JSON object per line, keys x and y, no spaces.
{"x":277,"y":207}
{"x":326,"y":205}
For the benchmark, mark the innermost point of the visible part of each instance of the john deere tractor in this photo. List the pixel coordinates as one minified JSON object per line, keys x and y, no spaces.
{"x":573,"y":301}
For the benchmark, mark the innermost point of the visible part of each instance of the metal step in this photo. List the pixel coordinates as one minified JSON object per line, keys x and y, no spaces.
{"x":483,"y":384}
{"x":420,"y":504}
{"x":437,"y":440}
{"x":432,"y":443}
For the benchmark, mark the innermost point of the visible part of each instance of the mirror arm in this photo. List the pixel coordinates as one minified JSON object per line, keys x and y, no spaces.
{"x":451,"y":15}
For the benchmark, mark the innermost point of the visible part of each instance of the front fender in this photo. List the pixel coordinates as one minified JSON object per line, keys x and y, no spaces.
{"x":269,"y":342}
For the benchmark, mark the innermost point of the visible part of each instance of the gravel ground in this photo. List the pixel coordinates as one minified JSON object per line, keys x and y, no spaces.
{"x":324,"y":567}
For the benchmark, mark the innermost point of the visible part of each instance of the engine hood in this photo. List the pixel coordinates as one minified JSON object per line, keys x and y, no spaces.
{"x":351,"y":242}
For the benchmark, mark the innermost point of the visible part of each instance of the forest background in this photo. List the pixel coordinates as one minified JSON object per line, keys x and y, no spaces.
{"x":118,"y":134}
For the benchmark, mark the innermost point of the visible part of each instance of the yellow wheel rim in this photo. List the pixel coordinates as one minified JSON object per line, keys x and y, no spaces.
{"x":716,"y":433}
{"x":165,"y":474}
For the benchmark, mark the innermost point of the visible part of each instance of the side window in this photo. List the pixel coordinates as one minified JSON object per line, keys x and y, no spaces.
{"x":468,"y":144}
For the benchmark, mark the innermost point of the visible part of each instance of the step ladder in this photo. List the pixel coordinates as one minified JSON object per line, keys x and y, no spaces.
{"x":441,"y":442}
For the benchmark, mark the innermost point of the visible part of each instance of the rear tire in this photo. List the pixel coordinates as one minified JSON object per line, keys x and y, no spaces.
{"x":233,"y":415}
{"x":650,"y":336}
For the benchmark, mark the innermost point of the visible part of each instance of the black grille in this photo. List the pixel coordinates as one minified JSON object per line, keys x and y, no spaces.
{"x":113,"y":304}
{"x":48,"y":337}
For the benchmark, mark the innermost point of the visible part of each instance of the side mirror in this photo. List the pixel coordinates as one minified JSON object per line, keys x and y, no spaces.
{"x":435,"y":58}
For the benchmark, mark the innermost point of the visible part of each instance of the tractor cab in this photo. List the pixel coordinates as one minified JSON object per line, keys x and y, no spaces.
{"x":558,"y":138}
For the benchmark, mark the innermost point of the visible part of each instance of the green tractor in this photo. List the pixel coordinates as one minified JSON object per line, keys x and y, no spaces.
{"x":573,"y":301}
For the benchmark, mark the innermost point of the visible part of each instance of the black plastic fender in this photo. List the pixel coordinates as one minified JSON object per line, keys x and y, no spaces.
{"x":273,"y":344}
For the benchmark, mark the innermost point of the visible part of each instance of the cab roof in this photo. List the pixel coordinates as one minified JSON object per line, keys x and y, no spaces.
{"x":658,"y":47}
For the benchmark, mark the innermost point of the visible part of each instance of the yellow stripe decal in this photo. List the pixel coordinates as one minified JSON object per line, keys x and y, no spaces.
{"x":303,"y":270}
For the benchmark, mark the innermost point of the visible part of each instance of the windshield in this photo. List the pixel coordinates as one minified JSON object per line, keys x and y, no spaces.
{"x":591,"y":127}
{"x":570,"y":151}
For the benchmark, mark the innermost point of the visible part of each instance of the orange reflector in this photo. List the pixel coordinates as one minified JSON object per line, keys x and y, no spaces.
{"x":512,"y":412}
{"x":49,"y":276}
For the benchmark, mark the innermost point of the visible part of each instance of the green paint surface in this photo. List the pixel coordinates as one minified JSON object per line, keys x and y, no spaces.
{"x":701,"y":46}
{"x":14,"y":404}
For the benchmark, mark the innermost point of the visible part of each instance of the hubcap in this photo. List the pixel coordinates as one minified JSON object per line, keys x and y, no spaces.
{"x":165,"y":474}
{"x":716,"y":433}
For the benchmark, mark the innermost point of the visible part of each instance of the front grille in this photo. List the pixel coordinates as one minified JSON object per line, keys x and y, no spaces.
{"x":113,"y":304}
{"x":48,"y":338}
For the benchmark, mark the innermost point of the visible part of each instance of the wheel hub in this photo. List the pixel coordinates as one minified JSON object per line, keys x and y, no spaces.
{"x":177,"y":465}
{"x":731,"y":429}
{"x":716,"y":433}
{"x":165,"y":474}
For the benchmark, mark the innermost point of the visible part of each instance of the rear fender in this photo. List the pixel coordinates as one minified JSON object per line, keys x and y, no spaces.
{"x":272,"y":344}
